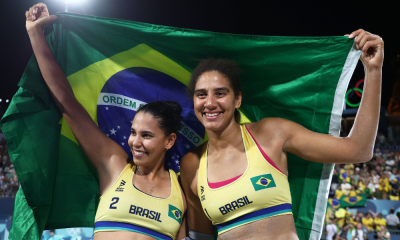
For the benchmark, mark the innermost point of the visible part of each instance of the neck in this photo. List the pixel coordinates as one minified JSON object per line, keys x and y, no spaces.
{"x":153,"y":172}
{"x":226,"y":137}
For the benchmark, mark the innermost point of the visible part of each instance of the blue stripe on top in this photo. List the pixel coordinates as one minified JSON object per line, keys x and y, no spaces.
{"x":115,"y":226}
{"x":254,"y":216}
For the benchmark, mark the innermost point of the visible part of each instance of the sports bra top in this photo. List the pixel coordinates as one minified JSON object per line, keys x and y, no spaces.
{"x":262,"y":191}
{"x":123,"y":207}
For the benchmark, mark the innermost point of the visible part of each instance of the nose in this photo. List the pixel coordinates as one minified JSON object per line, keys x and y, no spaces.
{"x":210,"y":102}
{"x":134,"y":141}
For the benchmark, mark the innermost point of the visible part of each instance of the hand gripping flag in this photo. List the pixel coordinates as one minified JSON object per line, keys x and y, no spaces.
{"x":115,"y":66}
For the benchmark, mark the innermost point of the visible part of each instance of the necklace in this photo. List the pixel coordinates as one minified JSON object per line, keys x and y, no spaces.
{"x":151,"y":188}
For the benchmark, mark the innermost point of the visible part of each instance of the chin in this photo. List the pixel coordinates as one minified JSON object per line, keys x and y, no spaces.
{"x":139,"y":161}
{"x":213,"y":126}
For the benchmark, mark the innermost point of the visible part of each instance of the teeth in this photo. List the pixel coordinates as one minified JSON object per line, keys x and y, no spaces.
{"x":136,"y":152}
{"x":211,"y":114}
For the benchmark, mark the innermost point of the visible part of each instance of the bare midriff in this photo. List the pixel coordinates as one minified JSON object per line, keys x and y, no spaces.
{"x":121,"y":235}
{"x":277,"y":228}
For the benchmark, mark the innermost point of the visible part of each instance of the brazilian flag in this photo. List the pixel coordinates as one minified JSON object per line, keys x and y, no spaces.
{"x":360,"y":200}
{"x":114,"y":66}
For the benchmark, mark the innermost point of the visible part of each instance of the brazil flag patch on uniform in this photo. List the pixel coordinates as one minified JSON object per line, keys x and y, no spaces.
{"x":175,"y":213}
{"x":263,"y":181}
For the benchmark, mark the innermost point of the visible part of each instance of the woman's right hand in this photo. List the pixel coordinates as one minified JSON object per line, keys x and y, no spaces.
{"x":38,"y":17}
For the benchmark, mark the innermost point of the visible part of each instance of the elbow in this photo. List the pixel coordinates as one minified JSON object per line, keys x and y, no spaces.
{"x":363,"y":156}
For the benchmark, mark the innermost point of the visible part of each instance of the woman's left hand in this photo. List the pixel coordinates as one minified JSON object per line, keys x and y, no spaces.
{"x":371,"y":46}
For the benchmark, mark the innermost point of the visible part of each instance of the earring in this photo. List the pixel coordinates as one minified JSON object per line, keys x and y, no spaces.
{"x":167,"y":148}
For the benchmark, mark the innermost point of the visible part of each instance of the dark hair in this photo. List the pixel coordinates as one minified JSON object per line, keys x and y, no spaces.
{"x":168,"y":114}
{"x":226,"y":67}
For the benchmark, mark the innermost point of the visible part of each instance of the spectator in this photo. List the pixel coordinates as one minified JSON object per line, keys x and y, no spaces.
{"x":358,"y":233}
{"x":390,"y":162}
{"x":394,"y":190}
{"x":339,"y":192}
{"x":392,"y":220}
{"x":368,"y":222}
{"x":393,"y":174}
{"x":378,"y":168}
{"x":375,"y":178}
{"x":346,"y":187}
{"x":330,"y":229}
{"x":352,"y":192}
{"x":385,"y":233}
{"x":382,"y":192}
{"x":356,"y":175}
{"x":378,"y":152}
{"x":371,"y":186}
{"x":335,"y":180}
{"x":342,"y":235}
{"x":379,"y":220}
{"x":381,"y":138}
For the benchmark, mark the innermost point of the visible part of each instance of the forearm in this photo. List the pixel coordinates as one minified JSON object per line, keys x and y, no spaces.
{"x":51,"y":71}
{"x":363,"y":134}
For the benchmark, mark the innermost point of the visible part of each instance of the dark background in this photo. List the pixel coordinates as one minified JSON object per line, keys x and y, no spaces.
{"x":276,"y":18}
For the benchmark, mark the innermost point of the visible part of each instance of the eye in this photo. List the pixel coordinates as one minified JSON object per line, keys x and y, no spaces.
{"x":200,"y":95}
{"x":220,"y":94}
{"x":146,"y":136}
{"x":133,"y":133}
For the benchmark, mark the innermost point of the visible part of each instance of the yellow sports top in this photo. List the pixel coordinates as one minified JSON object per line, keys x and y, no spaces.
{"x":125,"y":208}
{"x":261,"y":192}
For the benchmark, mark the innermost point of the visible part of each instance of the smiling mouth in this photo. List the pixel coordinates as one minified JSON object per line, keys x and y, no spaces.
{"x":211,"y":114}
{"x":136,"y":153}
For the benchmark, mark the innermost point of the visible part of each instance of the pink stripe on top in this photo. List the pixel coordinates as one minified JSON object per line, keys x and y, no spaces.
{"x":223,"y":183}
{"x":263,"y":153}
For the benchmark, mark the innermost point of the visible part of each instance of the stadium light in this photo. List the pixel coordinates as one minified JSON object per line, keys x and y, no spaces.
{"x":68,"y":3}
{"x":1,"y":99}
{"x":7,"y":100}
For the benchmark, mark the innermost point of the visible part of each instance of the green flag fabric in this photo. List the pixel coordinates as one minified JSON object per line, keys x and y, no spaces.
{"x":114,"y":66}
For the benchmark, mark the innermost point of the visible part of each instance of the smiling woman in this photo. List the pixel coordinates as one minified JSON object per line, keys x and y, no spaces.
{"x":238,"y":180}
{"x":148,"y":205}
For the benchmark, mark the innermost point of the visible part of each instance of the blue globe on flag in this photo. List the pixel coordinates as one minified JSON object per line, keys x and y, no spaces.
{"x":127,"y":90}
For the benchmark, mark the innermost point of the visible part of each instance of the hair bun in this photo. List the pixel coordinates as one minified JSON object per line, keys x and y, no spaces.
{"x":174,"y":106}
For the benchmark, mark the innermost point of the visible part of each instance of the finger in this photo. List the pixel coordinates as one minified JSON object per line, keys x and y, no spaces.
{"x":42,"y":6}
{"x":368,"y":37}
{"x":27,"y":16}
{"x":31,"y":13}
{"x":371,"y":44}
{"x":363,"y":40}
{"x":359,"y":38}
{"x":355,"y":33}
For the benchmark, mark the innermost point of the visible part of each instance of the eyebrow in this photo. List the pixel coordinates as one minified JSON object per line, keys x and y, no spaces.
{"x":148,"y":132}
{"x":217,"y":89}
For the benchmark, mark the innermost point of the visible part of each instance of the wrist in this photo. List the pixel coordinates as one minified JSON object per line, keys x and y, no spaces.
{"x":34,"y":31}
{"x":373,"y":69}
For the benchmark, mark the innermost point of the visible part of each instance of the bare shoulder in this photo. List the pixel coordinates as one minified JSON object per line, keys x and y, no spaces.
{"x":190,"y":163}
{"x":271,"y":125}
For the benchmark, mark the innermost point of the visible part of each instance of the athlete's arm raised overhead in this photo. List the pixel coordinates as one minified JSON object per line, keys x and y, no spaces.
{"x":358,"y":146}
{"x":102,"y":151}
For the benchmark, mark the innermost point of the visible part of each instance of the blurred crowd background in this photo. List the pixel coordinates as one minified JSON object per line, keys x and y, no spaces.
{"x":9,"y":184}
{"x":354,"y":185}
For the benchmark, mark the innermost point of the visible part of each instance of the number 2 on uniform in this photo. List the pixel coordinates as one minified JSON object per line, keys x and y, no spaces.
{"x":113,"y":203}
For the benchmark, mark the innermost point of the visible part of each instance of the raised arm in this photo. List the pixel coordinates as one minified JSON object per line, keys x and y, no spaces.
{"x":291,"y":137}
{"x":358,"y":146}
{"x":107,"y":156}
